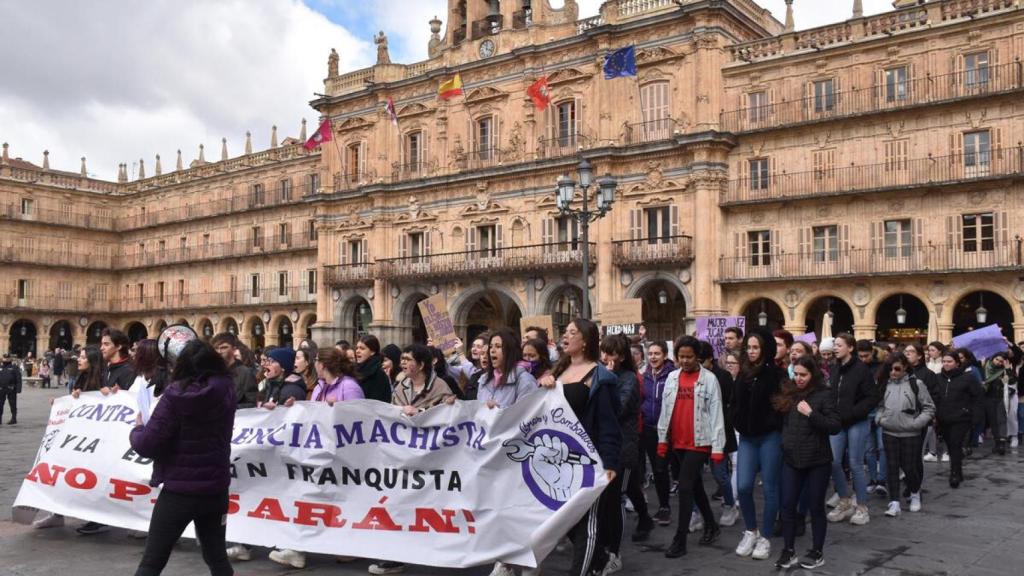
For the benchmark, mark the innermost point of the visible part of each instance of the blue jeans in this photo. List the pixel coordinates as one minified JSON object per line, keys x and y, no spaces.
{"x":875,"y":454}
{"x":760,"y":454}
{"x":854,"y":438}
{"x":722,"y":475}
{"x":1020,"y":418}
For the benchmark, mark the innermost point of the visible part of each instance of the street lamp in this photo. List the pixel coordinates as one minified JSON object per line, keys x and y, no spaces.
{"x":565,"y":192}
{"x":901,"y":314}
{"x":981,"y":312}
{"x":662,"y":297}
{"x":762,"y":317}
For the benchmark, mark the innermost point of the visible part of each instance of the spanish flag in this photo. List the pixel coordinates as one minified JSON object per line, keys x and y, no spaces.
{"x":450,"y":88}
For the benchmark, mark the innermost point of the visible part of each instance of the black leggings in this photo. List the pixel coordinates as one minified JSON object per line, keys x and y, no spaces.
{"x":955,"y":434}
{"x":588,"y":552}
{"x":813,"y":482}
{"x":650,"y":447}
{"x":171,"y":516}
{"x":612,"y":518}
{"x":902,"y":453}
{"x":9,"y":395}
{"x":691,"y":490}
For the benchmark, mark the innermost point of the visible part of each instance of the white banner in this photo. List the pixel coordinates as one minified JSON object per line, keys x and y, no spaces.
{"x":455,"y":486}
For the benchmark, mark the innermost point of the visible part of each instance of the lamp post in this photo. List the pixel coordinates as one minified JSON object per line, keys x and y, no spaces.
{"x":981,"y":313}
{"x":565,"y":191}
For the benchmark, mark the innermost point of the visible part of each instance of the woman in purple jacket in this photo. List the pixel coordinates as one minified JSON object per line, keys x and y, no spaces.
{"x":188,"y":437}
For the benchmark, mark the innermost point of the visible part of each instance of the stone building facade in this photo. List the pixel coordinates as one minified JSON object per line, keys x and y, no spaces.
{"x":863,"y":174}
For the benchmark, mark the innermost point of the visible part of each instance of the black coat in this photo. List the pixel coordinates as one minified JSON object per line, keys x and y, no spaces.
{"x":629,"y":418}
{"x":930,"y":379}
{"x":805,"y":439}
{"x":958,"y":395}
{"x":726,"y":385}
{"x":855,"y":390}
{"x":122,"y":374}
{"x":373,"y":380}
{"x":752,"y":410}
{"x":246,"y":389}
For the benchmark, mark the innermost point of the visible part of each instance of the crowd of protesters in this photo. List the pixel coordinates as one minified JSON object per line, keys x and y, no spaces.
{"x":801,"y":417}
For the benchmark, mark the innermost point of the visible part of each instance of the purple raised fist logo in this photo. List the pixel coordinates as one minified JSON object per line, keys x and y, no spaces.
{"x":555,"y":465}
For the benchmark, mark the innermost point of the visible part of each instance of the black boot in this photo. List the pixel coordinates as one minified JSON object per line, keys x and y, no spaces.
{"x":13,"y":420}
{"x":643,"y":529}
{"x":954,"y":480}
{"x":711,"y":533}
{"x":678,"y":547}
{"x":1001,"y":447}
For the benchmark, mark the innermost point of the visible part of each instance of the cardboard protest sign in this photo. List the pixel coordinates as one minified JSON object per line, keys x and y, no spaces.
{"x":622,"y":317}
{"x":546,"y":322}
{"x":438,"y":322}
{"x":712,"y":329}
{"x":456,"y":486}
{"x":983,"y":342}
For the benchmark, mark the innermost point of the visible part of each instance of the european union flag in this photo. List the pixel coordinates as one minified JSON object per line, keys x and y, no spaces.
{"x":620,"y":63}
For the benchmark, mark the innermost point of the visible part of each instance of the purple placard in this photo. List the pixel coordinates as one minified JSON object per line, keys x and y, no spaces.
{"x":983,"y":342}
{"x":810,"y":338}
{"x":712,"y":329}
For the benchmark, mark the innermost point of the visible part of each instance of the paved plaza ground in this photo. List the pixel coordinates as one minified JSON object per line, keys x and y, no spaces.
{"x":977,"y":530}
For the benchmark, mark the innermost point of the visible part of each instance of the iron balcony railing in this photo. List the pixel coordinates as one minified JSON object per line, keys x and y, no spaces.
{"x":648,"y":131}
{"x":58,"y":217}
{"x":927,"y":259}
{"x":891,"y":94}
{"x":513,"y":260}
{"x":46,"y":256}
{"x":243,"y":297}
{"x":214,"y":251}
{"x":652,"y":252}
{"x":895,"y":174}
{"x":343,"y":275}
{"x":563,"y":145}
{"x":55,"y":303}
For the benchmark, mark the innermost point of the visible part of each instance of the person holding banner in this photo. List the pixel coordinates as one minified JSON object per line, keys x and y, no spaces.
{"x":374,"y":381}
{"x":189,"y":439}
{"x":958,"y":393}
{"x":282,"y":385}
{"x":536,"y":353}
{"x":999,"y":376}
{"x":590,"y":390}
{"x":509,"y":378}
{"x":150,"y":376}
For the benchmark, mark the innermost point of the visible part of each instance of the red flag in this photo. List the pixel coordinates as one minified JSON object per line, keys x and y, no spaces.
{"x":390,"y":108}
{"x":539,"y":93}
{"x":322,"y":134}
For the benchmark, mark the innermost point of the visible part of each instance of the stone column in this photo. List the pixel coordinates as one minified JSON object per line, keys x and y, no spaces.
{"x":5,"y":342}
{"x":946,"y":332}
{"x":865,"y":331}
{"x":1018,"y":334}
{"x":707,"y":293}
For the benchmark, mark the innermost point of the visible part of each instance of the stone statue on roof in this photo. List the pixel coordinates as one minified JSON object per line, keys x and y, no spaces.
{"x":381,"y":41}
{"x":332,"y":64}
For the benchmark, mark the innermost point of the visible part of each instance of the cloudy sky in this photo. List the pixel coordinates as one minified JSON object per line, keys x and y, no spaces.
{"x":117,"y":80}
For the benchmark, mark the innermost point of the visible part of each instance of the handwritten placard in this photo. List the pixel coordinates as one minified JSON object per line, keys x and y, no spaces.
{"x":623,"y":312}
{"x":546,"y":322}
{"x":712,"y":329}
{"x":438,"y":322}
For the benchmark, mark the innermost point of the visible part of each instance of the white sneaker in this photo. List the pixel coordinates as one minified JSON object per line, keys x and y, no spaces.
{"x":49,"y":521}
{"x":613,"y":565}
{"x":833,"y":501}
{"x":860,"y":516}
{"x":748,"y":542}
{"x":696,"y":522}
{"x":240,"y":553}
{"x":843,"y":510}
{"x":945,"y":457}
{"x":915,"y":502}
{"x":729,"y":515}
{"x":629,"y":506}
{"x":289,"y":558}
{"x":929,"y":457}
{"x":1014,"y":442}
{"x":893,"y":510}
{"x":762,"y":550}
{"x":502,"y":569}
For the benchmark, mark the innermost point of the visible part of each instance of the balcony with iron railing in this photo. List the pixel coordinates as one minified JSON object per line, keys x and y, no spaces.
{"x":352,"y":180}
{"x":898,"y":95}
{"x":269,"y":197}
{"x":563,"y":145}
{"x":266,"y":245}
{"x":652,"y":252}
{"x":348,"y":275}
{"x":55,"y":257}
{"x":478,"y":158}
{"x":75,"y":219}
{"x":513,"y":260}
{"x":648,"y":131}
{"x":199,"y":300}
{"x":487,"y":26}
{"x":413,"y":170}
{"x":895,"y":175}
{"x":55,"y":303}
{"x":985,"y":256}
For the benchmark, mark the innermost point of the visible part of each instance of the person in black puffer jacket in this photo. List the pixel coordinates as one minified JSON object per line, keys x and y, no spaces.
{"x":375,"y":383}
{"x":957,"y":395}
{"x":856,"y":394}
{"x":810,"y":416}
{"x":760,"y":444}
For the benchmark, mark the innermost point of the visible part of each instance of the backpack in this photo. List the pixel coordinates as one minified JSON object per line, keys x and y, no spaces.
{"x":917,"y":392}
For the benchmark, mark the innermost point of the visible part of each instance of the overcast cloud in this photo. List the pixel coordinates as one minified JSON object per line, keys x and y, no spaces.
{"x":117,"y":80}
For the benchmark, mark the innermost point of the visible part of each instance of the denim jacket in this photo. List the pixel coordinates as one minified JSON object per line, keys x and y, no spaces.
{"x":708,"y":421}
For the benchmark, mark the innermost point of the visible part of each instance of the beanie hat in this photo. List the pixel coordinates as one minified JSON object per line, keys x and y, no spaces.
{"x":393,"y":353}
{"x":284,"y":356}
{"x":827,"y":345}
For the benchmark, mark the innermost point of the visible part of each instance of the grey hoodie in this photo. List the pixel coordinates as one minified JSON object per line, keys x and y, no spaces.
{"x":896,"y":414}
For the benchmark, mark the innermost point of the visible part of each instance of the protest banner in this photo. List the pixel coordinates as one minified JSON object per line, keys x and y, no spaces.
{"x":438,"y":322}
{"x":622,"y":317}
{"x":712,"y":329}
{"x":809,"y":338}
{"x":455,"y":486}
{"x":546,"y":322}
{"x":983,"y":342}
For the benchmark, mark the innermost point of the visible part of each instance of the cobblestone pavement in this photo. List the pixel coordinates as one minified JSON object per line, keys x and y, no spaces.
{"x":976,"y":530}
